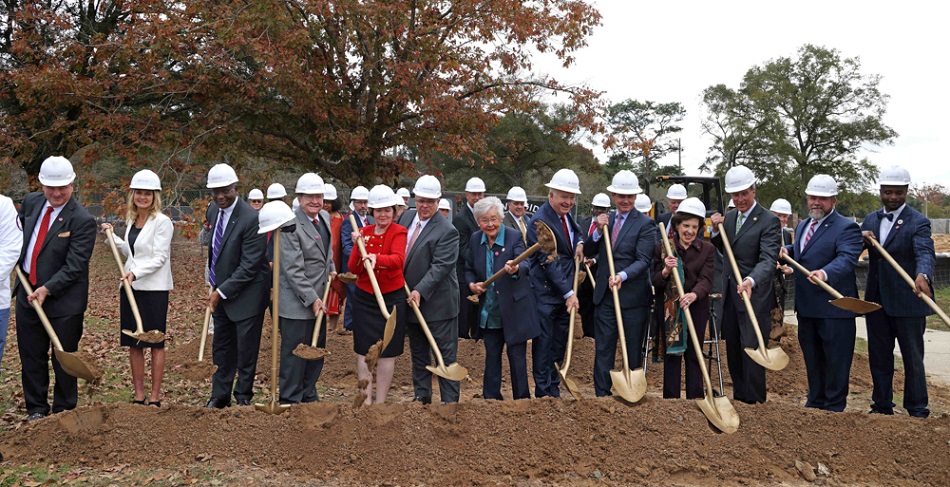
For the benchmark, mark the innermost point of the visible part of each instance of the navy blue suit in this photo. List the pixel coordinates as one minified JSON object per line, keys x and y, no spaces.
{"x":903,"y":316}
{"x":518,"y":310}
{"x":825,"y":332}
{"x":633,"y":255}
{"x":347,"y":244}
{"x":551,"y":282}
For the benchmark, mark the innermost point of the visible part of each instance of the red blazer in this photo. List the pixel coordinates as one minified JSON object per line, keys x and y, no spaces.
{"x":390,"y":250}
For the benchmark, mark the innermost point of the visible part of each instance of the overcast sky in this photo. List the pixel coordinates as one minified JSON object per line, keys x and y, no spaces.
{"x":672,"y":51}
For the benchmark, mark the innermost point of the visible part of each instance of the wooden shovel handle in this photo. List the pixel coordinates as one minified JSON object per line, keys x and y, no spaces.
{"x":316,"y":326}
{"x":425,"y":329}
{"x":570,"y":325}
{"x":369,"y":270}
{"x":824,"y":285}
{"x":610,"y":262}
{"x":519,"y":259}
{"x":125,"y":284}
{"x":910,"y":282}
{"x":745,"y":295}
{"x":39,"y":311}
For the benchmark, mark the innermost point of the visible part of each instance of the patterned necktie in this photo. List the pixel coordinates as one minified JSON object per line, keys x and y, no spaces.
{"x":216,"y":247}
{"x":616,"y":233}
{"x":739,"y":220}
{"x":38,"y":245}
{"x":593,"y":225}
{"x":566,"y":231}
{"x":809,"y":233}
{"x":524,"y":230}
{"x":415,"y":234}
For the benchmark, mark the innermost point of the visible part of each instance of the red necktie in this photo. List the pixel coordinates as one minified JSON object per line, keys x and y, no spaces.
{"x":566,"y":231}
{"x":40,"y":237}
{"x":809,"y":233}
{"x":593,"y":225}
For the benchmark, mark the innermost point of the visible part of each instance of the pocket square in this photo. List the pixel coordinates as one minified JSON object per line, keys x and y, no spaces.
{"x":64,"y":234}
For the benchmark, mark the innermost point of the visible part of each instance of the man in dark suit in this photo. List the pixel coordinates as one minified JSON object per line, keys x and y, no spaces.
{"x":516,"y":217}
{"x":905,"y":234}
{"x":754,"y":234}
{"x":674,"y":195}
{"x":632,"y":239}
{"x":782,"y":209}
{"x":431,"y":256}
{"x":359,"y":198}
{"x":464,"y":222}
{"x":237,"y":271}
{"x":829,"y":247}
{"x":585,"y":290}
{"x":58,"y":237}
{"x":553,"y":282}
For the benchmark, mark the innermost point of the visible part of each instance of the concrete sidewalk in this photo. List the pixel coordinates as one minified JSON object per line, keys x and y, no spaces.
{"x":936,"y":349}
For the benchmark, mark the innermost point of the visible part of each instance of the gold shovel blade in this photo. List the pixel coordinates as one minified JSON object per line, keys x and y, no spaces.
{"x":570,"y":384}
{"x":272,"y":407}
{"x":720,"y":413}
{"x":75,"y":367}
{"x":772,"y":359}
{"x":390,"y":328}
{"x":630,"y":387}
{"x":855,"y":305}
{"x":450,"y":372}
{"x":473,"y":298}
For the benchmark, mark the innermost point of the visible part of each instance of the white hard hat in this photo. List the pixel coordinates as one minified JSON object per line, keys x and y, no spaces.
{"x":427,"y":187}
{"x":625,"y":182}
{"x":56,"y":171}
{"x":329,"y":192}
{"x":272,"y":215}
{"x":295,"y":203}
{"x":739,"y":178}
{"x":146,"y":179}
{"x":444,"y":204}
{"x":676,"y":192}
{"x":565,"y":180}
{"x":221,"y":175}
{"x":693,"y":206}
{"x":782,"y":206}
{"x":475,"y":185}
{"x":822,"y":185}
{"x":601,"y":200}
{"x":643,"y":203}
{"x":403,"y":193}
{"x":895,"y":176}
{"x":382,"y":196}
{"x":255,"y":194}
{"x":310,"y":183}
{"x":276,"y":191}
{"x":359,"y":193}
{"x":732,"y":203}
{"x":517,"y":193}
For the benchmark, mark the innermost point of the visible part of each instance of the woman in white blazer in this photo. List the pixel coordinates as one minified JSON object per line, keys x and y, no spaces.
{"x":147,"y":248}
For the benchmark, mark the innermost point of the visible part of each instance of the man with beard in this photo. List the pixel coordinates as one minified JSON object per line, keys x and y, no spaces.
{"x":828,"y":246}
{"x":466,"y":225}
{"x":905,"y":234}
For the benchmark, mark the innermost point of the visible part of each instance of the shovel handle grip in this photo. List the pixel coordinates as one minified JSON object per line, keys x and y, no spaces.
{"x":204,"y":330}
{"x":369,"y":270}
{"x":745,"y":295}
{"x":910,"y":282}
{"x":824,"y":285}
{"x":39,"y":310}
{"x":125,"y":284}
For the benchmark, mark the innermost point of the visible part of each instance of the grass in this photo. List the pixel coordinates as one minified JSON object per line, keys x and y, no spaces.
{"x":942,"y":298}
{"x":119,"y":475}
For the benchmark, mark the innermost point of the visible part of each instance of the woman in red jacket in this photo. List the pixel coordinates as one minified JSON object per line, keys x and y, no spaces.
{"x":385,"y":244}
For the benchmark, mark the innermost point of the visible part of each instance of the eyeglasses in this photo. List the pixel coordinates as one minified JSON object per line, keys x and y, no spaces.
{"x":485,"y":221}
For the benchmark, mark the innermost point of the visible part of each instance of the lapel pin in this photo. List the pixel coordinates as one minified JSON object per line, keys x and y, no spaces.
{"x":900,"y":222}
{"x":61,"y":219}
{"x":496,"y":253}
{"x":755,"y":218}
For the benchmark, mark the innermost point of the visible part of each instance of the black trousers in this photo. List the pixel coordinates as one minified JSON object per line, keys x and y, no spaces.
{"x":748,"y":377}
{"x":298,"y":377}
{"x":883,"y":330}
{"x":517,"y":363}
{"x":34,"y":346}
{"x":828,"y":349}
{"x":446,"y":335}
{"x":548,"y":348}
{"x":235,"y":349}
{"x":588,"y":311}
{"x":606,"y":334}
{"x":673,"y":364}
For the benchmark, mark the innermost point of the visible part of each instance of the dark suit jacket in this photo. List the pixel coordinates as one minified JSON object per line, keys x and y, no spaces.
{"x":756,"y":249}
{"x":430,"y":267}
{"x":63,"y":263}
{"x":465,"y":223}
{"x":699,"y":267}
{"x":633,"y":254}
{"x":513,"y":224}
{"x":834,"y":248}
{"x":347,"y":242}
{"x":552,"y":281}
{"x":241,"y":268}
{"x":516,"y":303}
{"x":306,"y":260}
{"x":909,"y":242}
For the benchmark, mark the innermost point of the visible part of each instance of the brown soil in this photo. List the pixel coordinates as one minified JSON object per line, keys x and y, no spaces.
{"x":151,"y":336}
{"x":307,"y":352}
{"x":89,"y":360}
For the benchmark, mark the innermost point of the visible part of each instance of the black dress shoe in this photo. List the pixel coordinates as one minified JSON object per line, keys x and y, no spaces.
{"x":34,"y":416}
{"x":425,"y":400}
{"x":214,"y":404}
{"x":243,"y":402}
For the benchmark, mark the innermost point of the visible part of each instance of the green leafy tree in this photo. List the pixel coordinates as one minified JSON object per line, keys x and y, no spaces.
{"x":641,"y":132}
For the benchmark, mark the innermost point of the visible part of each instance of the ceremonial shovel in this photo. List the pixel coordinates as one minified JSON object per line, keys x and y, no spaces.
{"x":204,"y":331}
{"x":273,"y":407}
{"x":718,"y":409}
{"x":312,"y":352}
{"x":571,"y":385}
{"x":900,"y":270}
{"x":139,"y":333}
{"x":546,"y":242}
{"x":390,"y":315}
{"x":70,"y":363}
{"x":846,"y":303}
{"x":630,"y":386}
{"x":454,"y":371}
{"x":770,"y":358}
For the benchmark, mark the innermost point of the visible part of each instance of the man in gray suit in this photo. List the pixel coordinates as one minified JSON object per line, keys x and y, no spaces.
{"x":431,"y":255}
{"x":755,"y":235}
{"x":306,"y":261}
{"x":517,"y":208}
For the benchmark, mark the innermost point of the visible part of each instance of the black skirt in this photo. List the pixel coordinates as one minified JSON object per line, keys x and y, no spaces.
{"x":153,"y":307}
{"x":369,"y":323}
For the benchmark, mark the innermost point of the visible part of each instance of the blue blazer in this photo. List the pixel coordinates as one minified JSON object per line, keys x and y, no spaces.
{"x":633,"y":254}
{"x":519,"y":310}
{"x":551,"y":281}
{"x":834,"y":248}
{"x":347,"y":243}
{"x":910,"y":244}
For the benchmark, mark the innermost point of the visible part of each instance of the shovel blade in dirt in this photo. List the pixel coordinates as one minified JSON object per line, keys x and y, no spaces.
{"x":855,"y":305}
{"x":770,"y":358}
{"x":390,"y":328}
{"x":152,"y":336}
{"x":272,"y":407}
{"x":719,"y":411}
{"x":73,"y":366}
{"x":451,"y":371}
{"x":630,"y":387}
{"x":570,"y":384}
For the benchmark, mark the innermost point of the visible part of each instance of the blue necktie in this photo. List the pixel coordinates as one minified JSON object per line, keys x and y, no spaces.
{"x":216,"y":247}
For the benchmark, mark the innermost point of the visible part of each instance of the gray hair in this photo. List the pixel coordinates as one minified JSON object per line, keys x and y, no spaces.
{"x":487,"y":204}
